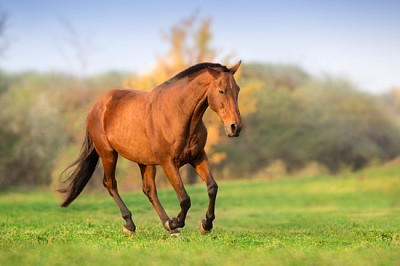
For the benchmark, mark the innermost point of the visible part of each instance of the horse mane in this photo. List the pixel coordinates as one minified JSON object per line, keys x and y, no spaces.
{"x":194,"y":69}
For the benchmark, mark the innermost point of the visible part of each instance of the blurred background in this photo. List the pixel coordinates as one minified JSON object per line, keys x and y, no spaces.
{"x":320,"y":82}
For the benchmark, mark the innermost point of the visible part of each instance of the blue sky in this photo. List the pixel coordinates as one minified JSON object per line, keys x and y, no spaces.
{"x":358,"y":40}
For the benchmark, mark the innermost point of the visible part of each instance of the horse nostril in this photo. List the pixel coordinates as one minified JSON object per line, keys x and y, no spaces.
{"x":233,"y":127}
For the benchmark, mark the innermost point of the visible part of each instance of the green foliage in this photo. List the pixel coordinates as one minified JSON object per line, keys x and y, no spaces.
{"x":349,"y":219}
{"x":42,"y":114}
{"x":300,"y":120}
{"x":30,"y":133}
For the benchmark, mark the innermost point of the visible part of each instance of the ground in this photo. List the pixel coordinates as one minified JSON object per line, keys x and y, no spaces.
{"x":351,"y":219}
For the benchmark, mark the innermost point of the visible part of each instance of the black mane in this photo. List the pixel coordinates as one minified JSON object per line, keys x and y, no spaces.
{"x":193,"y":69}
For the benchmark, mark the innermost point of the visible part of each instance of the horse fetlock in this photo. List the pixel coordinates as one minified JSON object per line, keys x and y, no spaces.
{"x":180,"y":223}
{"x":127,"y":215}
{"x":210,"y":217}
{"x":174,"y":223}
{"x":171,"y":224}
{"x":207,"y":224}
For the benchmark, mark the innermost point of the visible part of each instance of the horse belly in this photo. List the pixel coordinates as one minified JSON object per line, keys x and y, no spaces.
{"x":135,"y":151}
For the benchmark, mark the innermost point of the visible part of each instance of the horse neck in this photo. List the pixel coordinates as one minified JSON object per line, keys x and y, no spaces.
{"x":192,"y":99}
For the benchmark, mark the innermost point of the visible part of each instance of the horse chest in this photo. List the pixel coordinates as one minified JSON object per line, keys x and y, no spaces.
{"x":185,"y":150}
{"x":186,"y":155}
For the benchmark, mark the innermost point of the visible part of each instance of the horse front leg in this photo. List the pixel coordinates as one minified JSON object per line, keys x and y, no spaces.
{"x":149,"y":188}
{"x":174,"y":178}
{"x":202,"y":167}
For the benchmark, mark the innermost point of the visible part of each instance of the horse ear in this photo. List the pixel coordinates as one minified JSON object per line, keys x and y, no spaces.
{"x":233,"y":69}
{"x":213,"y":72}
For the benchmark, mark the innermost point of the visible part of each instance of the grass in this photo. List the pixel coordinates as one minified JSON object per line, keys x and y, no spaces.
{"x":351,"y":219}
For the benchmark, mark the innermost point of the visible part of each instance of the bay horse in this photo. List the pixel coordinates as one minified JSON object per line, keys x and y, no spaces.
{"x":161,"y":127}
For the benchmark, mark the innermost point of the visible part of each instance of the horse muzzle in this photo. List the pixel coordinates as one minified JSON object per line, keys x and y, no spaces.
{"x":233,"y":129}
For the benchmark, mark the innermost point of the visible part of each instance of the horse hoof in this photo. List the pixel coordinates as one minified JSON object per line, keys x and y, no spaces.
{"x":204,"y":231}
{"x":126,"y":230}
{"x":174,"y":233}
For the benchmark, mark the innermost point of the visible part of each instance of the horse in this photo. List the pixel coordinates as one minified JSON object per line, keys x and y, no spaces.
{"x":160,"y":127}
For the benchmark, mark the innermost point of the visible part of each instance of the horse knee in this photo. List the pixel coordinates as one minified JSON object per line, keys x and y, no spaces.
{"x":185,"y":203}
{"x":212,"y":189}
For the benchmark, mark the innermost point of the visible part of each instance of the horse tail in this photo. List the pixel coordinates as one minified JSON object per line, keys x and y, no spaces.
{"x":84,"y":169}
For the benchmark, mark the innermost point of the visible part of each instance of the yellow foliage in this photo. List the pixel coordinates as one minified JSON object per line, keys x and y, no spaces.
{"x":247,"y":103}
{"x":396,"y":95}
{"x":218,"y":157}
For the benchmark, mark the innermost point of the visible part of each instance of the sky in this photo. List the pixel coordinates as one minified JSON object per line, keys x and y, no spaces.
{"x":356,"y":40}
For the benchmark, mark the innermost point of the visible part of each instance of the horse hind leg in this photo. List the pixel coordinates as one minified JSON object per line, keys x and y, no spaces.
{"x":202,"y":167}
{"x":109,"y":160}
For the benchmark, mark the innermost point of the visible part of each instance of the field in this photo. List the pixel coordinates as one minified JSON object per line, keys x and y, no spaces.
{"x":351,"y":219}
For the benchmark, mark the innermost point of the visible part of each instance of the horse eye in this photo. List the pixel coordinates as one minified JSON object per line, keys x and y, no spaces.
{"x":221,"y":91}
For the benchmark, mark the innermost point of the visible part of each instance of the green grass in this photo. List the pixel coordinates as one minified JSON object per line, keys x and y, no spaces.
{"x":323,"y":220}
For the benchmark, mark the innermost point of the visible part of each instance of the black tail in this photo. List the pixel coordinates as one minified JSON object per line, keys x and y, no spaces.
{"x":85,"y":166}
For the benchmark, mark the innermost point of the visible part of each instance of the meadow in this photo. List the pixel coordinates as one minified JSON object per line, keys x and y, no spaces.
{"x":351,"y":219}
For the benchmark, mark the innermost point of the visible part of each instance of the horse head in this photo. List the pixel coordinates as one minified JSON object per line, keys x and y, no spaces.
{"x":223,"y":99}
